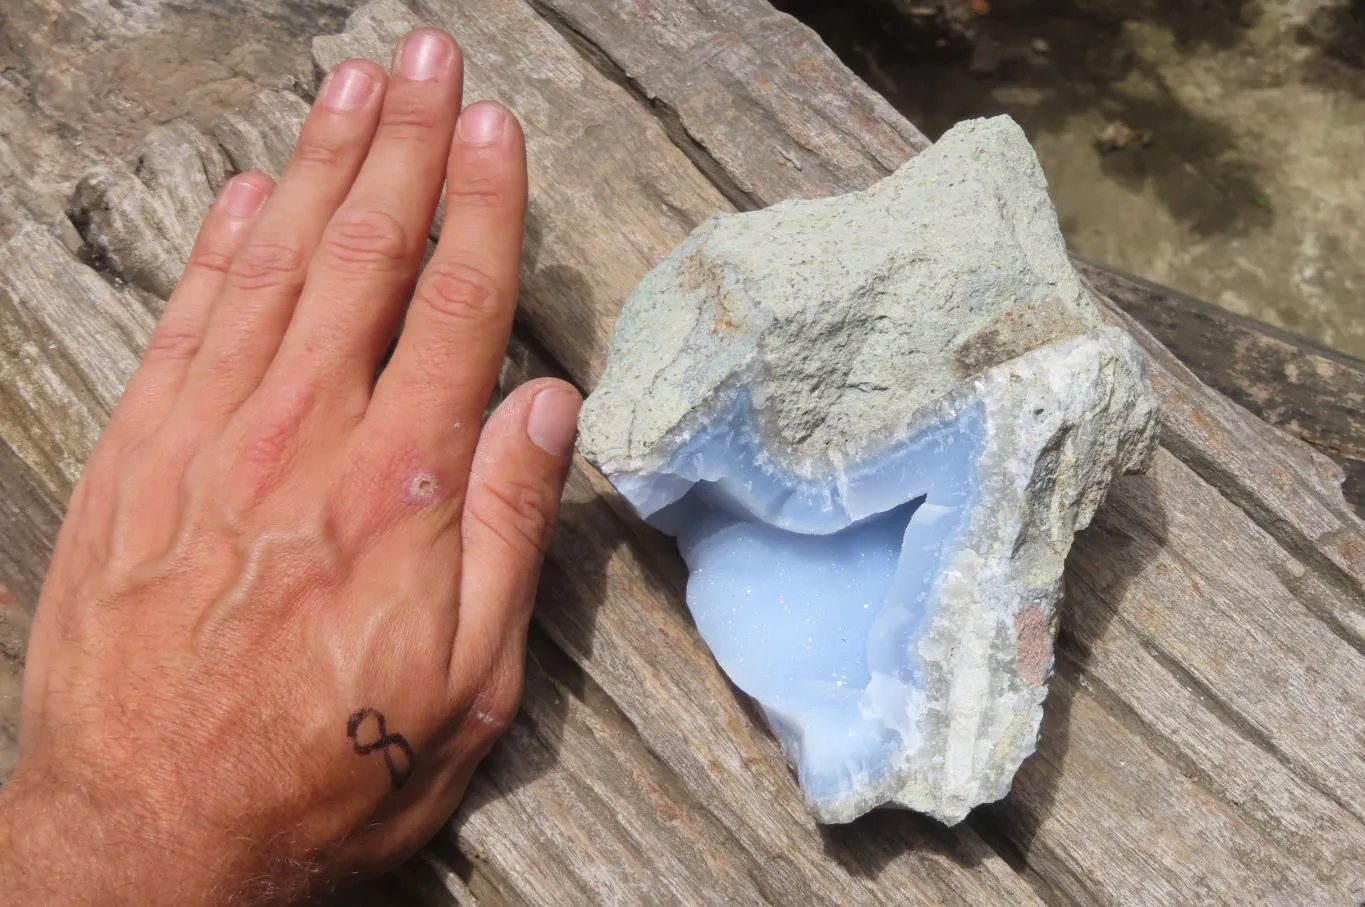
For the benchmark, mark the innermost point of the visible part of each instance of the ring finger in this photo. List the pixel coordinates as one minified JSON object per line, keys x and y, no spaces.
{"x":264,"y":280}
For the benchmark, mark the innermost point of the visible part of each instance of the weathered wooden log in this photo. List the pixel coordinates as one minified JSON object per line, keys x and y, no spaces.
{"x":1202,"y":739}
{"x":1311,"y":392}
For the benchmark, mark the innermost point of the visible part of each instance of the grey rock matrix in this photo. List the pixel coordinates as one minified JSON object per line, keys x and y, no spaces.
{"x":854,"y":323}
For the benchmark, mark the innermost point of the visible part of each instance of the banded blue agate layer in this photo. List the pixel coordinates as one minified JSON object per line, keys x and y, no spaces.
{"x":812,"y":592}
{"x":874,"y":424}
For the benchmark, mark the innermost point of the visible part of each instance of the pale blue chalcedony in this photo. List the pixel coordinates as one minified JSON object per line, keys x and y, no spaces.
{"x":813,"y":592}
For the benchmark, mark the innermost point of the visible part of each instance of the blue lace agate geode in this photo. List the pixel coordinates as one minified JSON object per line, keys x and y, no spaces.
{"x":873,"y":424}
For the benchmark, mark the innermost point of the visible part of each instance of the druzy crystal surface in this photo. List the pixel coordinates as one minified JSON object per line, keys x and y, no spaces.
{"x":873,"y":424}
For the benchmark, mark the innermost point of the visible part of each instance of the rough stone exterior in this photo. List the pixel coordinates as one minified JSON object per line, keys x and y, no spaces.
{"x":857,"y":320}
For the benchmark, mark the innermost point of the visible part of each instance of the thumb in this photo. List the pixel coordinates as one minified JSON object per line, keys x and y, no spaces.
{"x":510,"y":509}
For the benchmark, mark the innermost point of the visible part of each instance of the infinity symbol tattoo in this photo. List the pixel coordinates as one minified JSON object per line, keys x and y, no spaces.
{"x":400,"y":768}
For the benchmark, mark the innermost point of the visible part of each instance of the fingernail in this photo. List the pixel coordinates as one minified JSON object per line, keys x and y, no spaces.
{"x":553,"y":422}
{"x":481,"y":123}
{"x":242,"y":198}
{"x":422,"y":56}
{"x":347,"y":88}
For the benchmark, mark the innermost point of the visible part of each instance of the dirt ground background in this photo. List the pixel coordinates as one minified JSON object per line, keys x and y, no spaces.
{"x":1215,"y":146}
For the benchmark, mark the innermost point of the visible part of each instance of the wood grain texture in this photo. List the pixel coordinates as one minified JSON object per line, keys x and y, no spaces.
{"x":745,"y":90}
{"x":1313,"y":393}
{"x":1203,"y":738}
{"x":68,"y":343}
{"x":71,"y":343}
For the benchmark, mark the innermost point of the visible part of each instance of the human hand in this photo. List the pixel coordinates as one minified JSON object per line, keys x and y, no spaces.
{"x":286,"y":614}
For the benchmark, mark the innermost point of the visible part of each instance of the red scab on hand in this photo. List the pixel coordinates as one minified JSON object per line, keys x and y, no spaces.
{"x":1034,"y":636}
{"x":422,"y":489}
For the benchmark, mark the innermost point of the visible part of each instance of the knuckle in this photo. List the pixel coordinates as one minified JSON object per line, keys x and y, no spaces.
{"x":496,"y":707}
{"x":269,"y":440}
{"x":367,"y":238}
{"x":266,"y":264}
{"x":480,"y":184}
{"x":173,"y":343}
{"x":265,"y":448}
{"x":458,"y":291}
{"x":325,"y":152}
{"x":410,"y":114}
{"x":515,"y":511}
{"x":214,"y":257}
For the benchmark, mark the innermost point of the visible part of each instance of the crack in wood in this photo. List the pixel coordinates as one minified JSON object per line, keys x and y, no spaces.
{"x":1293,"y":541}
{"x":1229,"y":715}
{"x":661,"y":110}
{"x":1073,"y":655}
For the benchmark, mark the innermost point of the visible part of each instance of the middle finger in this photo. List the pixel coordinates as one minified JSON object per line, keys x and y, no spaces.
{"x":367,"y":261}
{"x":263,"y":282}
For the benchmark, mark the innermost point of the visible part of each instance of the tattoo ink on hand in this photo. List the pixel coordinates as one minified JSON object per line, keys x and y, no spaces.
{"x":401,"y":764}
